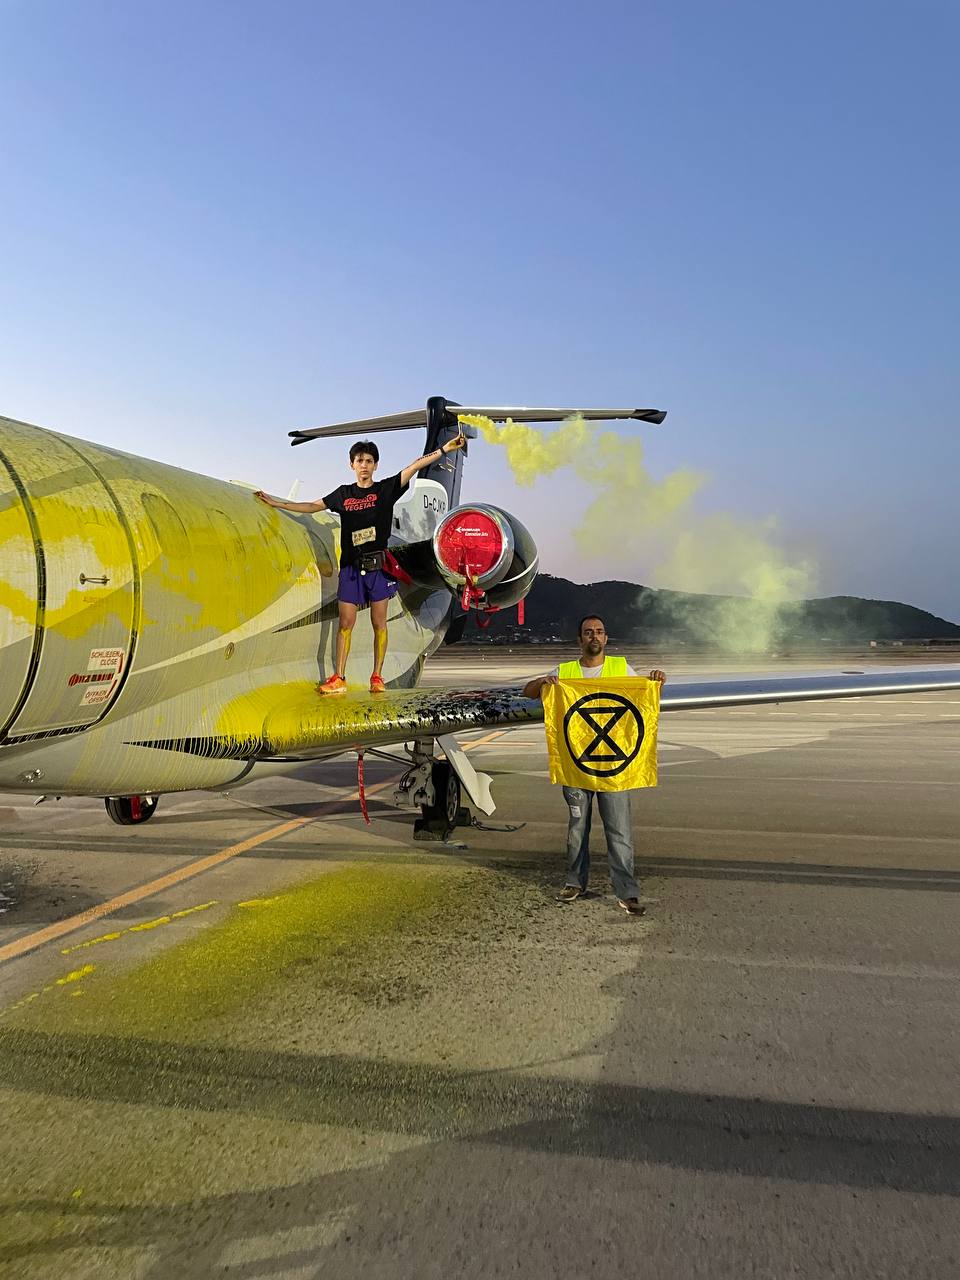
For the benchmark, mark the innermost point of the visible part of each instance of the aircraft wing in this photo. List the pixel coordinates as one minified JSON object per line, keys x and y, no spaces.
{"x":364,"y":720}
{"x":294,"y":721}
{"x":297,"y":722}
{"x":431,"y":712}
{"x":687,"y":696}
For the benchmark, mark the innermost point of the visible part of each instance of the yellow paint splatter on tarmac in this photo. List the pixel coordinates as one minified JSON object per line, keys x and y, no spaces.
{"x":138,"y":928}
{"x":104,"y":937}
{"x":149,"y":924}
{"x":74,"y":976}
{"x":229,"y":967}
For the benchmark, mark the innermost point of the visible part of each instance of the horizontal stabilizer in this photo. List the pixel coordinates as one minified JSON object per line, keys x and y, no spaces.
{"x":368,"y":426}
{"x":498,"y":413}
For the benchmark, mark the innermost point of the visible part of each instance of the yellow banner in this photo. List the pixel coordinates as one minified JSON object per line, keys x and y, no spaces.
{"x":602,"y":734}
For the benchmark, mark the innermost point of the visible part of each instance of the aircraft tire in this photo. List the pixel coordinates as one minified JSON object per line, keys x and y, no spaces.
{"x":442,"y":815}
{"x":121,"y":809}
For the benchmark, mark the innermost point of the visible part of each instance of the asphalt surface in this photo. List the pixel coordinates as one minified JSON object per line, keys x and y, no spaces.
{"x":331,"y":1051}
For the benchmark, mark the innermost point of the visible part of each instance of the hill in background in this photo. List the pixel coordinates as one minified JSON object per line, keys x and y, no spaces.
{"x":641,"y":615}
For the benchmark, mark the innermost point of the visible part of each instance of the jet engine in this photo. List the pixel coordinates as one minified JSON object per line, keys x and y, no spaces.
{"x":486,"y":556}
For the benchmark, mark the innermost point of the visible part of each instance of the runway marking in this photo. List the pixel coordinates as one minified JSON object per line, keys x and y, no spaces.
{"x":71,"y":924}
{"x":487,"y":737}
{"x":875,"y":838}
{"x":923,"y":974}
{"x":926,"y":702}
{"x":60,"y":928}
{"x":875,"y":782}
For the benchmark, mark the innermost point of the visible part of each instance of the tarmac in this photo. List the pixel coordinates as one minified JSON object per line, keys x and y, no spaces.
{"x":257,"y":1038}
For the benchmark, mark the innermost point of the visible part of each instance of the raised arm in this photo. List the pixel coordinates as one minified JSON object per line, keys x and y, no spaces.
{"x":407,"y":474}
{"x":271,"y":501}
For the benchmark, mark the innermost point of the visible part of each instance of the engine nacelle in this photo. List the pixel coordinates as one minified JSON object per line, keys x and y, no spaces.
{"x":485,"y":555}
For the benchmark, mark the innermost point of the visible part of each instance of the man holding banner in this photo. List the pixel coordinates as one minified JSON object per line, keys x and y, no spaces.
{"x":602,"y":741}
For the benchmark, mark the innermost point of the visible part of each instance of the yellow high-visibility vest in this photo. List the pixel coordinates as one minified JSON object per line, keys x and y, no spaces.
{"x":611,"y":667}
{"x":602,"y":734}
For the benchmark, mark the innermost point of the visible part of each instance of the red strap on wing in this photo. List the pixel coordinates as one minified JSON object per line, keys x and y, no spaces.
{"x":392,"y":566}
{"x":361,"y":790}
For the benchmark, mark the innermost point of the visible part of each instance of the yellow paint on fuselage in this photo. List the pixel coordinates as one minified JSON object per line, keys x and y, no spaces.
{"x":186,"y":559}
{"x":224,"y":610}
{"x":76,"y":527}
{"x":18,"y":586}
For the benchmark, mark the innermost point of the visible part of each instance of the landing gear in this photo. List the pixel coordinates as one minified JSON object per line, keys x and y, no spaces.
{"x":446,"y":805}
{"x":435,"y":787}
{"x":128,"y":810}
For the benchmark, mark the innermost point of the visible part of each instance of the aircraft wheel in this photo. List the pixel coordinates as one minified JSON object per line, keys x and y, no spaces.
{"x":440,"y":818}
{"x":129,"y":810}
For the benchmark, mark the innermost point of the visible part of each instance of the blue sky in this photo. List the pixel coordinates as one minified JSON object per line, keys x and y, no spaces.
{"x":222,"y":221}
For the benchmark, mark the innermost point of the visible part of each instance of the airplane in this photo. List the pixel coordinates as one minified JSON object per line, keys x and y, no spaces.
{"x":163,"y":631}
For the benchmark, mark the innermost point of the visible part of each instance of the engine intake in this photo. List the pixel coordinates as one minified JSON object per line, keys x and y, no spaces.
{"x":485,"y":555}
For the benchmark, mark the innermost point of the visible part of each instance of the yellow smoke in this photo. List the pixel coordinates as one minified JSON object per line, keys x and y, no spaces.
{"x":626,"y":495}
{"x":630,"y":511}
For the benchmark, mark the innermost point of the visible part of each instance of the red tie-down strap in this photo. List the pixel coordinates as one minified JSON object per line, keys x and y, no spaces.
{"x":361,"y":790}
{"x":392,"y":566}
{"x":484,"y":619}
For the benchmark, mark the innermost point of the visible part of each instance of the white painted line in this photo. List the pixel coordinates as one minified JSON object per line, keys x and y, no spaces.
{"x":922,"y":973}
{"x":747,"y":833}
{"x":891,"y":783}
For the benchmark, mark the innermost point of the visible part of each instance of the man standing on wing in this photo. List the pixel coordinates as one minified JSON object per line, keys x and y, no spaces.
{"x":365,"y":509}
{"x":614,"y":806}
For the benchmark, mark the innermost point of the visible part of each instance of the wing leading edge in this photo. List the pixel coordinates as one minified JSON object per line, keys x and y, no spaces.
{"x":747,"y":692}
{"x":296,"y":722}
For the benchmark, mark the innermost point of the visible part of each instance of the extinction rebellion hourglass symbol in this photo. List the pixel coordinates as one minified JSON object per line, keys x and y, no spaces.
{"x":603,"y":733}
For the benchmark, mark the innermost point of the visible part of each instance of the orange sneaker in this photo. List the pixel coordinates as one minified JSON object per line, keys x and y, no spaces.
{"x":335,"y":684}
{"x":377,"y":685}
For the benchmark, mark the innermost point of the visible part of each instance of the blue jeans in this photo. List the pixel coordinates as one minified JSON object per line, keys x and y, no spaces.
{"x":614,"y":809}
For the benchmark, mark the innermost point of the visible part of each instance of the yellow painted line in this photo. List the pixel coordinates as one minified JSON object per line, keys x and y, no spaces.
{"x":20,"y":946}
{"x":482,"y":742}
{"x":71,"y":924}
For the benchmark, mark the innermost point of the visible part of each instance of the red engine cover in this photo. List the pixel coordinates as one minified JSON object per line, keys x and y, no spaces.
{"x":470,"y":544}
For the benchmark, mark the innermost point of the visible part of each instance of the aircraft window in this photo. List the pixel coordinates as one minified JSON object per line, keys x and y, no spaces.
{"x":167,"y":525}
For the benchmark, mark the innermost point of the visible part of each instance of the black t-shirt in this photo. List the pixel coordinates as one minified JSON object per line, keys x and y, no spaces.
{"x":366,"y":516}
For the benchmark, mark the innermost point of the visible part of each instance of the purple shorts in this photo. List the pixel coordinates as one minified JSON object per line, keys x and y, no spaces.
{"x":365,"y":588}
